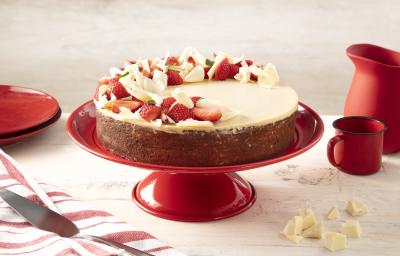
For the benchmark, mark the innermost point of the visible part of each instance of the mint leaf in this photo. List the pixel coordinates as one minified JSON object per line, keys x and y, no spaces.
{"x":123,"y":75}
{"x":175,"y":68}
{"x":151,"y":102}
{"x":209,"y":62}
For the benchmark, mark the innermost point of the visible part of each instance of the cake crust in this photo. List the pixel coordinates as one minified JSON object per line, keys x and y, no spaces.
{"x":195,"y":147}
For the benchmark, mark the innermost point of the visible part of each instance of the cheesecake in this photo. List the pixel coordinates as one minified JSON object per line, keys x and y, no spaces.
{"x":189,"y":110}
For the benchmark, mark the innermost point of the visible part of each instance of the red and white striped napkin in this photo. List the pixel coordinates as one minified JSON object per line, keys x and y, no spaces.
{"x":18,"y":237}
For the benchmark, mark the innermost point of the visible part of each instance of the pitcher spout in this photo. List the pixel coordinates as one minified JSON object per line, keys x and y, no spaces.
{"x":373,"y":55}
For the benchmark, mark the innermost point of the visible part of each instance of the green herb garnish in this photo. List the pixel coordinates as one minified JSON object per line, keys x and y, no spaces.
{"x":123,"y":75}
{"x":175,"y":68}
{"x":209,"y":62}
{"x":151,"y":102}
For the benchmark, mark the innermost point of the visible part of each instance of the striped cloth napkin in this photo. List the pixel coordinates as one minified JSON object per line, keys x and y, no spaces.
{"x":18,"y":237}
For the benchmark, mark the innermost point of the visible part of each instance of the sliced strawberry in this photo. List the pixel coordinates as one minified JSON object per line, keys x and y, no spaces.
{"x":116,"y":88}
{"x":174,"y":78}
{"x":172,"y":60}
{"x":212,"y":114}
{"x":132,"y":105}
{"x":96,"y":93}
{"x":103,"y":80}
{"x":191,"y":60}
{"x":147,"y":74}
{"x":150,"y":112}
{"x":206,"y":69}
{"x":179,"y":112}
{"x":249,"y":62}
{"x":223,"y":71}
{"x":253,"y":77}
{"x":195,"y":99}
{"x":153,"y":65}
{"x":234,"y":70}
{"x":167,"y":103}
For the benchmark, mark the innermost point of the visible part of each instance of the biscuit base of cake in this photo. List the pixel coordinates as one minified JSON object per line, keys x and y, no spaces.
{"x":195,"y":147}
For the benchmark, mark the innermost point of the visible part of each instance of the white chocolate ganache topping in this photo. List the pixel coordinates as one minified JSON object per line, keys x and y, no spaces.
{"x":191,"y":92}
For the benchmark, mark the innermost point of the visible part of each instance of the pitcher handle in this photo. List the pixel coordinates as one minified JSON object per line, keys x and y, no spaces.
{"x":331,"y":149}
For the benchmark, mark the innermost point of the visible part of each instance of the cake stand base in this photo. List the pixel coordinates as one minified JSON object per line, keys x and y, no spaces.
{"x":194,"y":196}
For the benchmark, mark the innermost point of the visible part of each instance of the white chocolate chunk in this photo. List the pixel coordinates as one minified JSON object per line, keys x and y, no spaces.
{"x":356,"y":208}
{"x":333,"y":213}
{"x":314,"y":231}
{"x":293,"y":228}
{"x":295,"y":239}
{"x":335,"y":241}
{"x":308,"y":217}
{"x":351,"y":229}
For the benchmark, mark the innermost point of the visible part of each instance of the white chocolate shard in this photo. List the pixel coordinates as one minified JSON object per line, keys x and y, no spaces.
{"x":314,"y":231}
{"x":115,"y":71}
{"x":195,"y":75}
{"x":356,"y":208}
{"x":333,"y":213}
{"x":335,"y":241}
{"x":182,"y":98}
{"x":244,"y":73}
{"x":351,"y":228}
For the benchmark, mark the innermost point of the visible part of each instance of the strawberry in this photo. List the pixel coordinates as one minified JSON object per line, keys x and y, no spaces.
{"x":132,"y":105}
{"x":116,"y":88}
{"x":234,"y":70}
{"x":153,"y":65}
{"x":253,"y":77}
{"x":179,"y":112}
{"x":147,"y":74}
{"x":223,"y":71}
{"x":191,"y":60}
{"x":172,"y":60}
{"x":96,"y":93}
{"x":150,"y":112}
{"x":249,"y":62}
{"x":167,"y":103}
{"x":212,"y":114}
{"x":206,"y":69}
{"x":103,"y":80}
{"x":195,"y":99}
{"x":174,"y":78}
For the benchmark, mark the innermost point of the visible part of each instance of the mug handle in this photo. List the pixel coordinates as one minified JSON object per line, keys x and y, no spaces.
{"x":331,"y":149}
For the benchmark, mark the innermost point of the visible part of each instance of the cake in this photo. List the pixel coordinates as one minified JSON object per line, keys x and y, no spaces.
{"x":188,"y":110}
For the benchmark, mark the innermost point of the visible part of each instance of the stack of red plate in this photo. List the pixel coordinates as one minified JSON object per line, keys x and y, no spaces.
{"x":25,"y":112}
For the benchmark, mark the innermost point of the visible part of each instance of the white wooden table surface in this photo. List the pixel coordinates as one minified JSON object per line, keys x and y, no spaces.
{"x":282,"y":189}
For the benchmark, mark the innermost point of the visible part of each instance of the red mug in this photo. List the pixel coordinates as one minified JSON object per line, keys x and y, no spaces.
{"x":358,"y":145}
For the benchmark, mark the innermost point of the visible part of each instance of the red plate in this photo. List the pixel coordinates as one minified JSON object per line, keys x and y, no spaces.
{"x":24,"y":108}
{"x":81,"y":126}
{"x":193,"y":193}
{"x":4,"y":140}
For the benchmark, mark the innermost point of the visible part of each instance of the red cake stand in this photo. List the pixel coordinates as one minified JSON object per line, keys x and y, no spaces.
{"x":193,"y":193}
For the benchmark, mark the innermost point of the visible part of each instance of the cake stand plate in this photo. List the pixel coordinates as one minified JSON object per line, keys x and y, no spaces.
{"x":193,"y":193}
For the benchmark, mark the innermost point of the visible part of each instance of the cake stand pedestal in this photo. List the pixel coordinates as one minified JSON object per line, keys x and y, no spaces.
{"x":194,"y":197}
{"x":193,"y":193}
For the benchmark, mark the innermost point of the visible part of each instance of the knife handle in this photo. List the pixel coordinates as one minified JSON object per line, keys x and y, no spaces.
{"x":127,"y":250}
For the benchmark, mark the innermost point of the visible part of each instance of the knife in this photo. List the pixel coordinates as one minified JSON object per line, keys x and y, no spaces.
{"x":46,"y":219}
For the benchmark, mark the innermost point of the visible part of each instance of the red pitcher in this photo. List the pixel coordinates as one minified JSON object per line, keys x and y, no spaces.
{"x":375,"y":90}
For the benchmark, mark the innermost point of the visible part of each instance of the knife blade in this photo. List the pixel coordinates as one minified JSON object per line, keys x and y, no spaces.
{"x":49,"y":220}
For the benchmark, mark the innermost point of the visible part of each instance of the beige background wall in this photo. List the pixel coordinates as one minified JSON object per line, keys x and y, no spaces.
{"x":63,"y":47}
